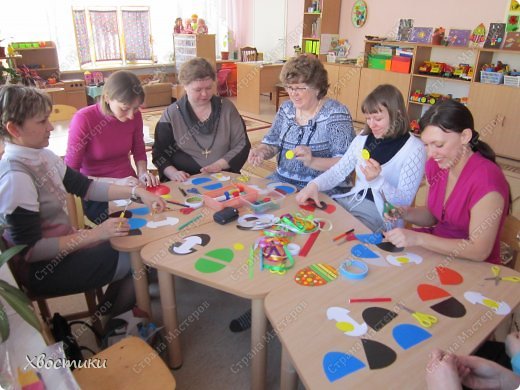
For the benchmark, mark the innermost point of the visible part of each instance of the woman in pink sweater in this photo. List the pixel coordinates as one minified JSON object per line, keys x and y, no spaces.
{"x":102,"y":136}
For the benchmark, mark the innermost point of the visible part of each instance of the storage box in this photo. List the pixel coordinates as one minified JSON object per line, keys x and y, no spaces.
{"x":378,"y":61}
{"x":271,"y":201}
{"x":401,"y":64}
{"x":247,"y":193}
{"x":512,"y":81}
{"x":491,"y":77}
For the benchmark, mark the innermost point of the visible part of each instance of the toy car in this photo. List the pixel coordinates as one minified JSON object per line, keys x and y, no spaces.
{"x":417,"y":96}
{"x":436,"y":68}
{"x":425,"y":67}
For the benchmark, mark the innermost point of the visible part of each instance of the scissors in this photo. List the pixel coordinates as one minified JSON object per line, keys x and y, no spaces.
{"x":424,"y":319}
{"x":389,"y":208}
{"x":497,"y":278}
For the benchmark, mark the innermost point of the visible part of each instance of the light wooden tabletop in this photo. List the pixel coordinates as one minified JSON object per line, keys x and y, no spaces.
{"x":299,"y":316}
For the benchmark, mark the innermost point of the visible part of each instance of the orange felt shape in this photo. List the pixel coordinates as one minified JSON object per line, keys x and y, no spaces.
{"x":448,"y":276}
{"x":427,"y":292}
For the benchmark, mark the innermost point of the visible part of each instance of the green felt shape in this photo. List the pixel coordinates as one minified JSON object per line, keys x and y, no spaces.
{"x":212,"y":261}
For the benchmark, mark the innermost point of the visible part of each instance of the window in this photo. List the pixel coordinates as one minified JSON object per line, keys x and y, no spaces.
{"x":117,"y":35}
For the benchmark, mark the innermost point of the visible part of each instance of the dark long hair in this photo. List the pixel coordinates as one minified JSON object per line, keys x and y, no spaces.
{"x":454,"y":117}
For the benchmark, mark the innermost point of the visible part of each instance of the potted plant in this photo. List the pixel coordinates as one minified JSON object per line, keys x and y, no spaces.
{"x":22,"y":305}
{"x":8,"y":74}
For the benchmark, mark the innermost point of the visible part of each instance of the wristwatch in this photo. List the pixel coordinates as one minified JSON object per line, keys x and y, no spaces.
{"x":133,"y":195}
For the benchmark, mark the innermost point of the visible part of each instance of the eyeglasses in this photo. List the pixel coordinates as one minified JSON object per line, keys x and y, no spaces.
{"x":290,"y":89}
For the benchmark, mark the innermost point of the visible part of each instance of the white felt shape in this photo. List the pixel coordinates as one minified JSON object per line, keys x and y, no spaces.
{"x":379,"y":262}
{"x":412,"y":258}
{"x":476,"y":297}
{"x":165,"y":222}
{"x":340,"y":314}
{"x":122,"y":202}
{"x":221,"y":177}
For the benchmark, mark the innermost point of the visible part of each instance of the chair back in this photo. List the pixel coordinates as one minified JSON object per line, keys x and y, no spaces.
{"x":62,"y":112}
{"x":510,"y":235}
{"x":248,"y":54}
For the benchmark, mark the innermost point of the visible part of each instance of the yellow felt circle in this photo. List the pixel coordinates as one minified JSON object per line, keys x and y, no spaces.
{"x":345,"y":326}
{"x":238,"y":246}
{"x":365,"y":154}
{"x":289,"y":155}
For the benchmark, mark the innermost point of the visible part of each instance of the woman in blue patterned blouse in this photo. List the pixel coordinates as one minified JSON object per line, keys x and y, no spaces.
{"x":310,"y":132}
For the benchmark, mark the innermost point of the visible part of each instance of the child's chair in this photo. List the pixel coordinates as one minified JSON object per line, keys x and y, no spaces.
{"x":222,"y":84}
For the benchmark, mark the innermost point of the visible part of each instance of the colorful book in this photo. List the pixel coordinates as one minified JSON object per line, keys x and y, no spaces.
{"x":405,"y":29}
{"x":495,"y":36}
{"x":512,"y":41}
{"x":421,"y":34}
{"x":458,"y":37}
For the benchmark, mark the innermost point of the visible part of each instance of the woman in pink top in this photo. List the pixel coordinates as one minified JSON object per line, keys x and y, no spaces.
{"x":468,"y":198}
{"x":102,"y":136}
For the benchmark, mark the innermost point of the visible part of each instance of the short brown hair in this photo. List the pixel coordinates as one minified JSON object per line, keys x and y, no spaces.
{"x":391,"y":98}
{"x":196,"y":69}
{"x":19,"y":103}
{"x":123,"y":86}
{"x":306,"y":69}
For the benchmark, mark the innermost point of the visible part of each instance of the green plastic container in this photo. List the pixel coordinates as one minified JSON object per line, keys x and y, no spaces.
{"x":379,"y":61}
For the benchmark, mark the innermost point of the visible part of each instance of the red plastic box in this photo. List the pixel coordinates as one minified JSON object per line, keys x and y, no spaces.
{"x":401,"y":64}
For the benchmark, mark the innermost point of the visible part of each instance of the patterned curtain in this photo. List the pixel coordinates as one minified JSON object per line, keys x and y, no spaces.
{"x":136,"y":33}
{"x":105,"y":35}
{"x":80,"y":28}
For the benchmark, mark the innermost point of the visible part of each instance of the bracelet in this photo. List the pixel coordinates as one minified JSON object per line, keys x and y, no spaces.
{"x":133,"y":195}
{"x":346,"y":269}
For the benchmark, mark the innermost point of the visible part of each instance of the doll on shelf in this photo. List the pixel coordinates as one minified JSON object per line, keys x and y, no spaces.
{"x":202,"y":27}
{"x":194,"y":22}
{"x":178,"y":28}
{"x":188,"y":29}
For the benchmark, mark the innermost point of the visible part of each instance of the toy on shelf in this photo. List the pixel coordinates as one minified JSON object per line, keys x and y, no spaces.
{"x":477,"y":36}
{"x":178,"y":28}
{"x":438,"y":36}
{"x":414,"y":126}
{"x":425,"y":67}
{"x":202,"y":28}
{"x":418,"y":97}
{"x":188,"y":29}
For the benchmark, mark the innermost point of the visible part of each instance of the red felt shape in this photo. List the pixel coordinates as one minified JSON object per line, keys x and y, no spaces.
{"x":311,"y":206}
{"x":186,"y":210}
{"x":159,"y":190}
{"x":427,"y":292}
{"x":448,"y":276}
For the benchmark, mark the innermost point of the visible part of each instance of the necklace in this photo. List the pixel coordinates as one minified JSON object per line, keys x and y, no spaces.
{"x":301,"y":118}
{"x":205,"y":151}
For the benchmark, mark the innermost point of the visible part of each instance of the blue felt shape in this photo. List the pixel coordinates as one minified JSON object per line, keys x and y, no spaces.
{"x":288,"y":190}
{"x":338,"y":364}
{"x":193,"y":191}
{"x":136,"y":223}
{"x":362,"y":251}
{"x":200,"y":180}
{"x":372,"y":238}
{"x":141,"y":211}
{"x":214,"y":186}
{"x":409,"y":335}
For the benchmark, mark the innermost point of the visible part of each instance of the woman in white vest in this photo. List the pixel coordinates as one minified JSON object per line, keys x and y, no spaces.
{"x":388,"y":160}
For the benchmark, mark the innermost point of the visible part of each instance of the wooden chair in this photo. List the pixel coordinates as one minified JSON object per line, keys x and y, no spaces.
{"x":511,"y":236}
{"x":280,"y":92}
{"x":62,"y":112}
{"x":248,"y":54}
{"x":130,"y":364}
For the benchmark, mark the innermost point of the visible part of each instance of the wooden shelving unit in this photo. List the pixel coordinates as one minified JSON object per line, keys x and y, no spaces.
{"x":323,"y":21}
{"x":188,"y":46}
{"x":43,"y":59}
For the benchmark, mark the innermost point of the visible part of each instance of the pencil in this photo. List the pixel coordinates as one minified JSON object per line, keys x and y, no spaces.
{"x":343,"y":235}
{"x":359,"y":300}
{"x":189,"y":222}
{"x":182,"y":191}
{"x":122,"y":215}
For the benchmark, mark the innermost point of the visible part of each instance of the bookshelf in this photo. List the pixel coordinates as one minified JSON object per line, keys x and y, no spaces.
{"x":324,"y":19}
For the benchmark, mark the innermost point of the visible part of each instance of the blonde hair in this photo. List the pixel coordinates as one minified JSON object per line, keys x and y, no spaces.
{"x":123,"y":86}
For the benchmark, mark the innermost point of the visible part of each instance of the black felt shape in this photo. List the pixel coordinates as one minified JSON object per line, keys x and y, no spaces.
{"x":117,"y":214}
{"x":135,"y":232}
{"x":378,"y":355}
{"x":378,"y":317}
{"x":451,"y":307}
{"x":389,"y":247}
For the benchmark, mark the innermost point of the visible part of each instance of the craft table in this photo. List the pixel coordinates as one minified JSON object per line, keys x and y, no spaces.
{"x":234,"y":275}
{"x":133,"y":244}
{"x":255,"y":78}
{"x":299,"y":317}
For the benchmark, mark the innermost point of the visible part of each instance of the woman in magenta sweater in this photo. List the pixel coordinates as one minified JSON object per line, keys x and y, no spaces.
{"x":468,"y":196}
{"x":102,"y":136}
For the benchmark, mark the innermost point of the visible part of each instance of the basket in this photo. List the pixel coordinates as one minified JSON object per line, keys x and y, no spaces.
{"x":271,"y":201}
{"x":491,"y":77}
{"x":512,"y":81}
